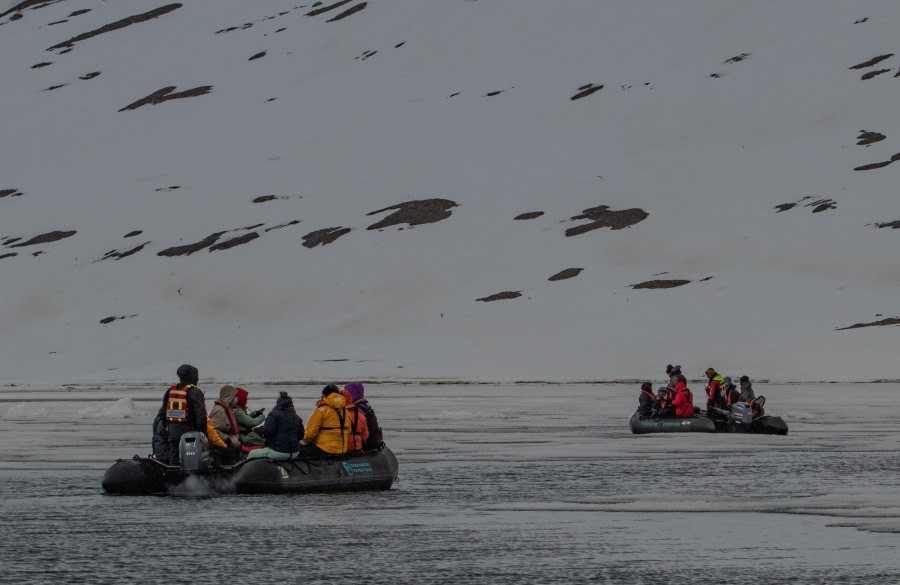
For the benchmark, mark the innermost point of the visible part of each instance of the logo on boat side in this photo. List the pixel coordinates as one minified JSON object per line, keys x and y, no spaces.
{"x":352,"y":468}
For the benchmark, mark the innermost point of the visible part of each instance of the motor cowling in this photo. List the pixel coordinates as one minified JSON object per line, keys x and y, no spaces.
{"x":193,"y":452}
{"x":741,"y":415}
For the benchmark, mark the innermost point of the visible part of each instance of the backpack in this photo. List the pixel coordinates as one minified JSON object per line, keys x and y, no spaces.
{"x":376,"y":438}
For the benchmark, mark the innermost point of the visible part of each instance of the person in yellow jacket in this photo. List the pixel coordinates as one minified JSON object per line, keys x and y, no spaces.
{"x":328,"y":429}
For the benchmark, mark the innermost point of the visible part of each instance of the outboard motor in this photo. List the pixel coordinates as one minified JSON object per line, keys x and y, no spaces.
{"x":741,"y":417}
{"x":193,"y":452}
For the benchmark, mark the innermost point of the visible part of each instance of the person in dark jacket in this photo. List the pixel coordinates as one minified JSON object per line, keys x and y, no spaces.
{"x":749,"y":396}
{"x":358,"y":399}
{"x":282,"y":431}
{"x":647,"y":400}
{"x":161,"y":449}
{"x":183,"y":409}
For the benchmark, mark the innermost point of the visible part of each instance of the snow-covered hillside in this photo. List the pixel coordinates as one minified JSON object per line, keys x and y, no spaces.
{"x":490,"y":190}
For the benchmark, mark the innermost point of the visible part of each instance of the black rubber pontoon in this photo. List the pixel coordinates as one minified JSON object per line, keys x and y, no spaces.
{"x":373,"y":470}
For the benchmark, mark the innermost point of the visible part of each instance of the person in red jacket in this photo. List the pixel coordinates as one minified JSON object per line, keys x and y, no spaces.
{"x":684,"y":401}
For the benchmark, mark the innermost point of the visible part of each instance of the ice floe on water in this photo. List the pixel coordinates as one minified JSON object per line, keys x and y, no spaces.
{"x":25,"y":411}
{"x":122,"y":408}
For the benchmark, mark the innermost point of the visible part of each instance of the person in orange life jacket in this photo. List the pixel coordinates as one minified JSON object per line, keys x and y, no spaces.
{"x":359,"y":427}
{"x":358,"y":399}
{"x":646,"y":400}
{"x":247,"y":420}
{"x":714,"y":396}
{"x":730,"y":392}
{"x":183,"y":409}
{"x":282,"y":430}
{"x":329,"y":426}
{"x":683,"y":402}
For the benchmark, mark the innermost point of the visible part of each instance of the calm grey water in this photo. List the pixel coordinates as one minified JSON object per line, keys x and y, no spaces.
{"x":498,"y":484}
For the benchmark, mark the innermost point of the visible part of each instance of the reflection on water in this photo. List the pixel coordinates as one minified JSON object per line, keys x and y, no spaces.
{"x":499,"y":484}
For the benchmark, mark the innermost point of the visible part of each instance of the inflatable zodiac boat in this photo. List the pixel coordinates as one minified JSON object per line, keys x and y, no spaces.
{"x":199,"y":475}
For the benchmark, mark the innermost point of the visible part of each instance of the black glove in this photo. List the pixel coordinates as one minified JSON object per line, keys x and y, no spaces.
{"x":256,"y":413}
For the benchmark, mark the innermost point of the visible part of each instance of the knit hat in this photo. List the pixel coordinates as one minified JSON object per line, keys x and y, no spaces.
{"x":745,"y":380}
{"x":284,"y":401}
{"x":647,"y":386}
{"x":669,"y":369}
{"x":710,"y":371}
{"x":187,"y":374}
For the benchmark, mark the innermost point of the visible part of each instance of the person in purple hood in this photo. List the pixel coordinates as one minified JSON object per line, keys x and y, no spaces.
{"x":358,"y":399}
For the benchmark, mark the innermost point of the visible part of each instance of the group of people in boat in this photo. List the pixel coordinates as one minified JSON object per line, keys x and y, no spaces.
{"x":676,"y":399}
{"x":342,"y":422}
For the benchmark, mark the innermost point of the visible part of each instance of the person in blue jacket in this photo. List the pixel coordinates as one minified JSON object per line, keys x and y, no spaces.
{"x":282,"y":431}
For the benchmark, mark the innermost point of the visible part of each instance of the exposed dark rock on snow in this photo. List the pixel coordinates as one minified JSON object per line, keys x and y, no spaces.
{"x":415,"y":213}
{"x":882,"y":323}
{"x":165,"y":94}
{"x":565,"y":274}
{"x":737,"y":58}
{"x":348,"y":12}
{"x":42,"y":64}
{"x":822,"y":205}
{"x":660,"y":284}
{"x":132,"y":234}
{"x":324,"y":237}
{"x":244,"y":26}
{"x":866,"y":138}
{"x":80,"y":12}
{"x":601,"y":217}
{"x":33,"y":4}
{"x":872,"y":62}
{"x":878,"y":165}
{"x":88,"y":76}
{"x":138,"y":18}
{"x":109,"y":320}
{"x":502,"y":296}
{"x":189,"y":249}
{"x":529,"y":215}
{"x":893,"y":225}
{"x":45,"y":238}
{"x":586,"y":90}
{"x":872,"y":74}
{"x":493,"y":93}
{"x":166,"y":189}
{"x":57,"y":22}
{"x":116,"y":255}
{"x":8,"y":241}
{"x":328,"y":8}
{"x":365,"y":55}
{"x":10,"y":193}
{"x":264,"y":198}
{"x":284,"y":225}
{"x":10,"y":255}
{"x":259,"y":55}
{"x":52,"y":87}
{"x":819,"y":205}
{"x":253,"y":227}
{"x":234,"y":242}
